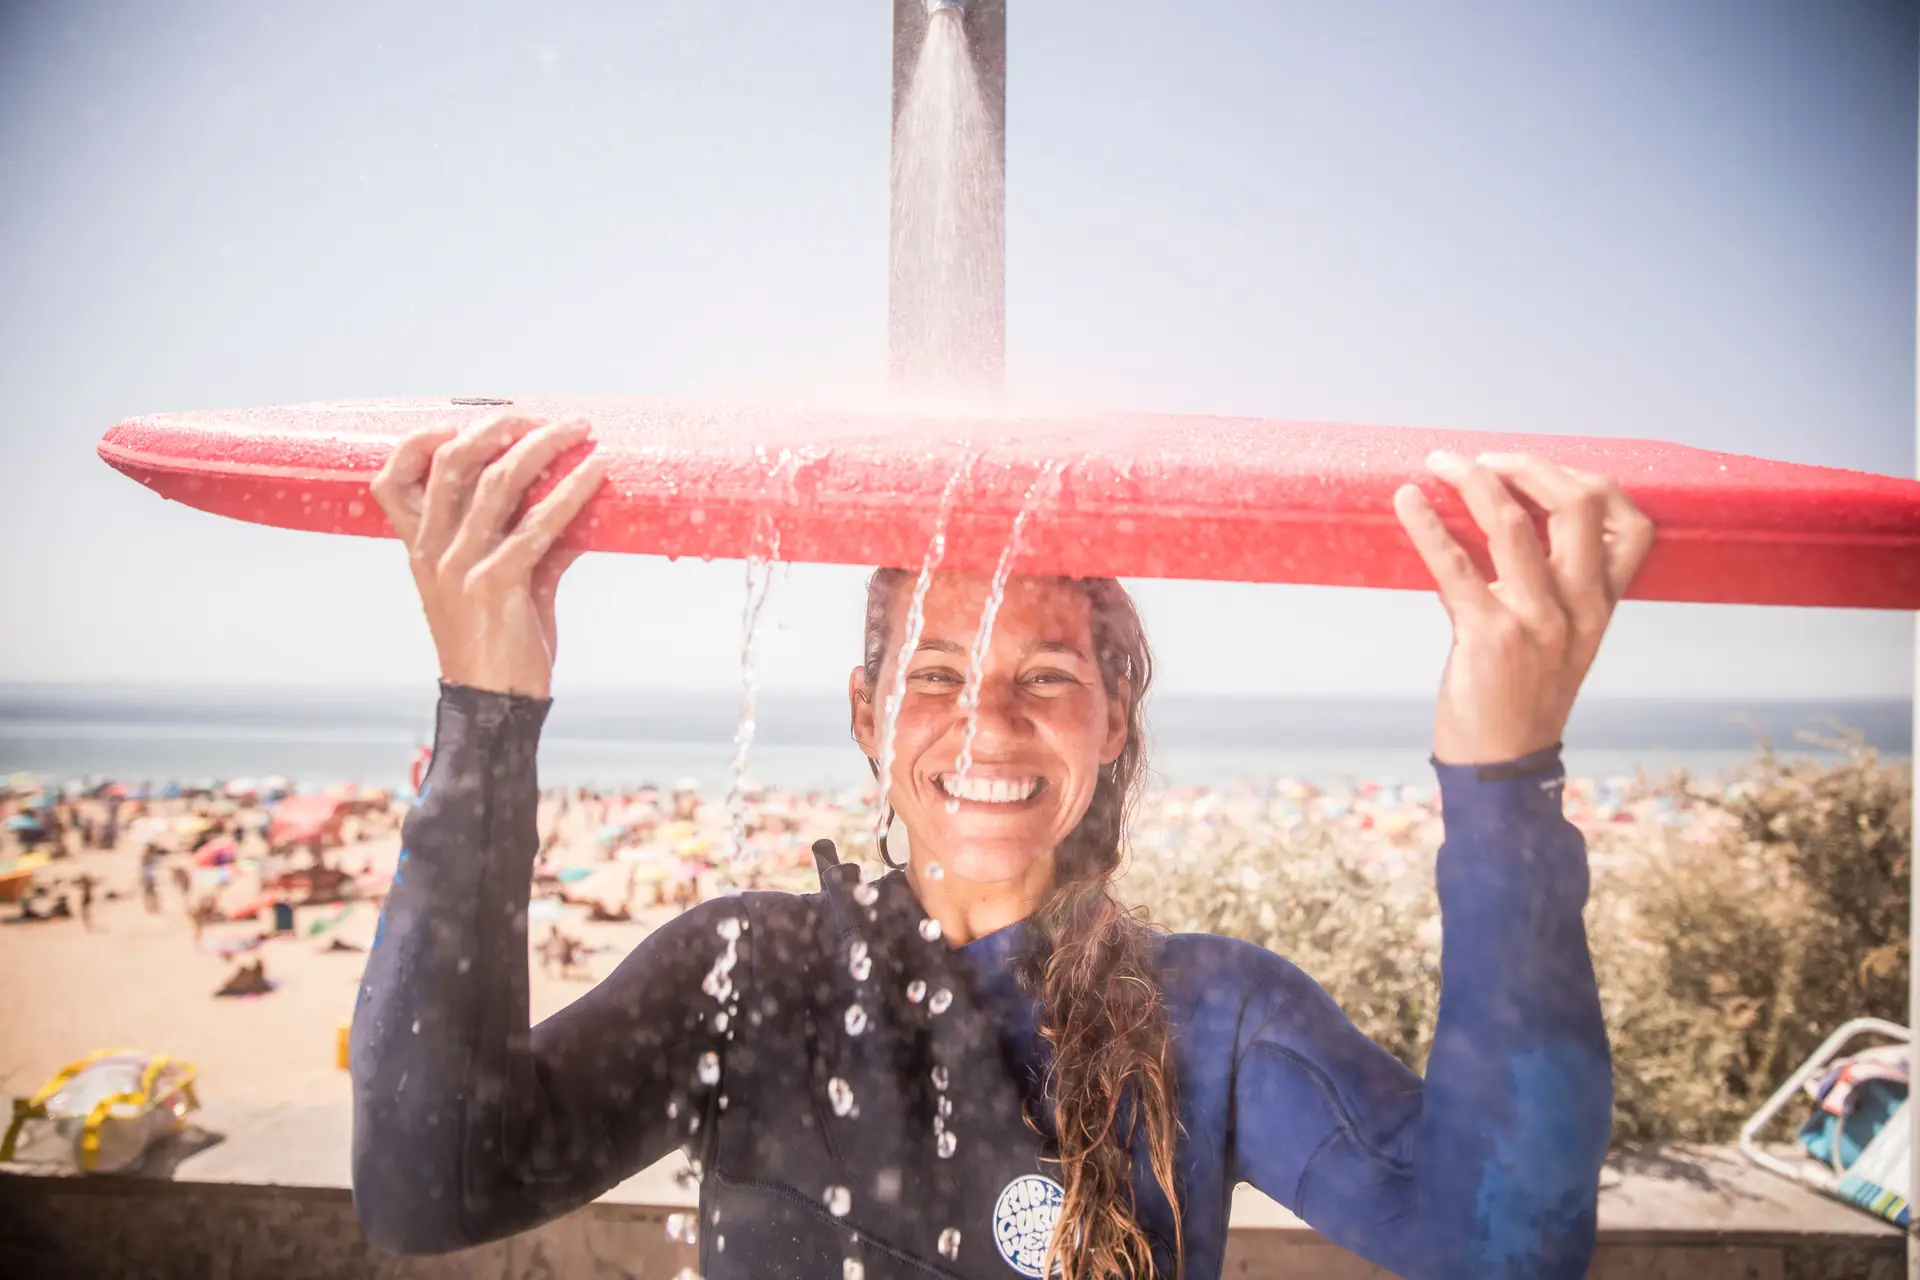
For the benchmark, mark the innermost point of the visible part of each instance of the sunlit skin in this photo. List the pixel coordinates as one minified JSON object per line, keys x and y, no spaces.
{"x":1045,"y":719}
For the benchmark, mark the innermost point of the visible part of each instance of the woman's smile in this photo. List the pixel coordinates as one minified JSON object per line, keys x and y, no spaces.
{"x":978,"y":788}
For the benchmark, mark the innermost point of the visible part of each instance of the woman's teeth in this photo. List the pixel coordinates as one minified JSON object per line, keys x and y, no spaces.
{"x":989,"y":790}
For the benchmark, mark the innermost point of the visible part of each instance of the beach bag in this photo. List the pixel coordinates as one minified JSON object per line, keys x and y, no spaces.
{"x":102,"y":1113}
{"x":1859,"y":1129}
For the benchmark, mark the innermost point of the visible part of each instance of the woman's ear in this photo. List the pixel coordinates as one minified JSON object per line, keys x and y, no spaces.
{"x":860,"y":701}
{"x":1117,"y":708}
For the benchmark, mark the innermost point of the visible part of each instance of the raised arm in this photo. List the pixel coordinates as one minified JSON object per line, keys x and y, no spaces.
{"x":1490,"y":1165}
{"x":468,"y":1125}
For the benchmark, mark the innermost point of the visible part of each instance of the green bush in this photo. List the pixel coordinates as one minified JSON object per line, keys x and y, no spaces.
{"x":1728,"y":946}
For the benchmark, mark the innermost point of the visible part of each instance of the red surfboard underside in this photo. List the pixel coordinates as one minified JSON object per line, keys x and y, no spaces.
{"x":1122,"y":495}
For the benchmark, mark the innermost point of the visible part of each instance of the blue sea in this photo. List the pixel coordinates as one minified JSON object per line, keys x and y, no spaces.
{"x":322,"y":736}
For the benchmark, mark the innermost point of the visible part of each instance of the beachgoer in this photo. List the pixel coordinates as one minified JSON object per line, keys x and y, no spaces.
{"x":150,"y":878}
{"x":86,"y":899}
{"x":983,"y":1052}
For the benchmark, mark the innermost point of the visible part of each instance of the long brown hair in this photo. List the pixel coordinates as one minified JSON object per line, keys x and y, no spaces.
{"x":1091,"y":964}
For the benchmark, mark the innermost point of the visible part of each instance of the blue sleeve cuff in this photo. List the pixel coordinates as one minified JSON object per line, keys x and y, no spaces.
{"x":1506,"y":832}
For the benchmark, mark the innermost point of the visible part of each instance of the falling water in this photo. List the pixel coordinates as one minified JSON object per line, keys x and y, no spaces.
{"x":949,"y":192}
{"x":1044,"y":486}
{"x":910,"y":640}
{"x":759,"y":579}
{"x":761,"y":558}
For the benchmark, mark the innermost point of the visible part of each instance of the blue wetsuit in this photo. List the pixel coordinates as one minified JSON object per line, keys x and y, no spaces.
{"x":471,"y":1125}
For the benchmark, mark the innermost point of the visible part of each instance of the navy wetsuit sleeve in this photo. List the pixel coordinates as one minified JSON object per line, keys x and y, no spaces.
{"x":468,"y":1124}
{"x":1489,"y":1166}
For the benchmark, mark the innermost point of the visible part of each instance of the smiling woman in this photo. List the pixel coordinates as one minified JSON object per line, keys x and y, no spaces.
{"x":1050,"y":728}
{"x":980,"y":1063}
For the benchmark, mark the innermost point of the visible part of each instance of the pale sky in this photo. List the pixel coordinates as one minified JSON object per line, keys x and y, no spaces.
{"x":1620,"y":217}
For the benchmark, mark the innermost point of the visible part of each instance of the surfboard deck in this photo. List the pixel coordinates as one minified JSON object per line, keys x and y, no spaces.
{"x":1120,"y":495}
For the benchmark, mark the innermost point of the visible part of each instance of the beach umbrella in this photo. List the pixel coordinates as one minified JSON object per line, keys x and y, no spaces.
{"x":306,"y":819}
{"x":241,"y":788}
{"x":23,"y":822}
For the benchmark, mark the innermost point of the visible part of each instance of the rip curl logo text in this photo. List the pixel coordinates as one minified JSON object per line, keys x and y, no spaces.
{"x":1023,"y":1222}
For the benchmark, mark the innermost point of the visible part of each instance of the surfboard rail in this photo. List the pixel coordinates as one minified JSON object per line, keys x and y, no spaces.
{"x":1114,"y":494}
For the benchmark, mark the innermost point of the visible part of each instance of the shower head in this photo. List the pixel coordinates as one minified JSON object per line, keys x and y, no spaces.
{"x":935,"y":6}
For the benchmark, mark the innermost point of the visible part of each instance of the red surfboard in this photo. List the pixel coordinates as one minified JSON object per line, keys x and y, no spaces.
{"x":1121,"y":495}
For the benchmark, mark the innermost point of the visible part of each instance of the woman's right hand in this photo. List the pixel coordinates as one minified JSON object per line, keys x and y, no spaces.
{"x":487,"y":580}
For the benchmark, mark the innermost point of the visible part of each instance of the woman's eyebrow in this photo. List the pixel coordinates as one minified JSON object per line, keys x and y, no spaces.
{"x":1057,"y":646}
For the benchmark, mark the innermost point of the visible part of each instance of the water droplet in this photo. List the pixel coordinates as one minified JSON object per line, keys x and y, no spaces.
{"x":416,"y":1026}
{"x":682,"y":1228}
{"x":720,"y":1020}
{"x":673,"y":1108}
{"x":859,"y":963}
{"x":941,"y":999}
{"x":856,"y":1020}
{"x":865,"y":894}
{"x":944,"y":1144}
{"x":940,"y":1078}
{"x":936,"y":872}
{"x":839,"y":1200}
{"x":930,"y":929}
{"x":852,"y":1270}
{"x":840,"y":1093}
{"x":950,"y":1243}
{"x":723,"y":1102}
{"x":944,"y":1107}
{"x":686,"y":1273}
{"x":719,"y":1244}
{"x":466,"y":963}
{"x":916,"y":991}
{"x":709,"y":1067}
{"x":729,"y":928}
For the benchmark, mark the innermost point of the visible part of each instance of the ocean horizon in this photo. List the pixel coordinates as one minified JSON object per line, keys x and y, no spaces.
{"x":321,"y":735}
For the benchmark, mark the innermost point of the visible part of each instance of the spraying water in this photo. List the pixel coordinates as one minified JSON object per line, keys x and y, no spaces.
{"x":948,"y":239}
{"x":1044,"y":486}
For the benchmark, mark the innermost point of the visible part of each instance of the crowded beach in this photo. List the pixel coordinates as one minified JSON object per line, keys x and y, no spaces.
{"x":227,"y":922}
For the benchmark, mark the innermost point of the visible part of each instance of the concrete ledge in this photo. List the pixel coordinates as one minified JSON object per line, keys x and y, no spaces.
{"x":261,"y":1191}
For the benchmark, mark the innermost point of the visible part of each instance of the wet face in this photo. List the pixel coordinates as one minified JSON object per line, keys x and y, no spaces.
{"x":1046,"y":726}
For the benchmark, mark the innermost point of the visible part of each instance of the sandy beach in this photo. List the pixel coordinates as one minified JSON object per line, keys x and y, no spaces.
{"x":136,"y":978}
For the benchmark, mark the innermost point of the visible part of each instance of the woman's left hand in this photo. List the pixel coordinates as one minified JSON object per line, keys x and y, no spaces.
{"x":1523,"y":642}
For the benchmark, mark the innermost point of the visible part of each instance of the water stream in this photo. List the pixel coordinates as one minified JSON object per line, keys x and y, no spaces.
{"x":1041,"y":491}
{"x":762,"y":556}
{"x":910,"y":640}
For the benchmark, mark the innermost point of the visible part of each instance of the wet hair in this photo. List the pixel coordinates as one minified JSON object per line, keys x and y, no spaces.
{"x":1092,"y":965}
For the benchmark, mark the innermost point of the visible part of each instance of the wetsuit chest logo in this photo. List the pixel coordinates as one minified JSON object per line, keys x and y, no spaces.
{"x":1023,"y":1222}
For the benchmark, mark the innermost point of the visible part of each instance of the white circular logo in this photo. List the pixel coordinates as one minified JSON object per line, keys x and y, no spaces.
{"x":1023,"y":1222}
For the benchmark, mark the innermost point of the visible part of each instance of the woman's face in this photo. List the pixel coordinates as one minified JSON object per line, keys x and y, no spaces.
{"x":1046,"y":725}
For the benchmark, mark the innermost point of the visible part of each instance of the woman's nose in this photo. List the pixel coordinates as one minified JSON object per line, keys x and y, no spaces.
{"x":1000,"y":711}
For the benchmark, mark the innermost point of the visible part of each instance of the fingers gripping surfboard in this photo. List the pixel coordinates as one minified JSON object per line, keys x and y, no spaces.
{"x":1120,"y":495}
